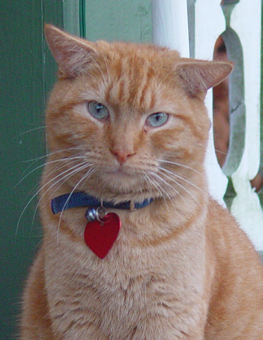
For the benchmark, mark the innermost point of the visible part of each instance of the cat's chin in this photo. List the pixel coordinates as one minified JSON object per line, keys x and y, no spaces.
{"x":119,"y":186}
{"x":119,"y":181}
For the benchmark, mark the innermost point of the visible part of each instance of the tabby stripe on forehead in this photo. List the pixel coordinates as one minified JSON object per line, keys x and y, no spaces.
{"x":148,"y":78}
{"x":130,"y":84}
{"x":116,"y":79}
{"x":108,"y":92}
{"x":120,"y":94}
{"x":133,"y":89}
{"x":139,"y":85}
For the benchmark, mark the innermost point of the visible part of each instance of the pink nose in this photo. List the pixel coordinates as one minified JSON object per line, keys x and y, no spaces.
{"x":122,"y":155}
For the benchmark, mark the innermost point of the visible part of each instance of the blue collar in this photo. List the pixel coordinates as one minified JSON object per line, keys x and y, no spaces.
{"x":81,"y":199}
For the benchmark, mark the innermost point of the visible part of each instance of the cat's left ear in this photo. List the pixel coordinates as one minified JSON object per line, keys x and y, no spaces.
{"x":198,"y":76}
{"x":70,"y":52}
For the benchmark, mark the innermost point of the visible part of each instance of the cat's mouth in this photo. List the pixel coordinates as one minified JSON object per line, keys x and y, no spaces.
{"x":123,"y":179}
{"x":123,"y":171}
{"x":120,"y":172}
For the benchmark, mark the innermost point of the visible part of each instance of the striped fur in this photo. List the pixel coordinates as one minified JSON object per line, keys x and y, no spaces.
{"x":181,"y":268}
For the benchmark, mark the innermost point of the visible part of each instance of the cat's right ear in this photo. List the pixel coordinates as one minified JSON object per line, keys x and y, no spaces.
{"x":197,"y":76}
{"x":71,"y":53}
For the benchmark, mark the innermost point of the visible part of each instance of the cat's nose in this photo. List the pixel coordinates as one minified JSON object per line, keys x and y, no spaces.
{"x":122,"y":155}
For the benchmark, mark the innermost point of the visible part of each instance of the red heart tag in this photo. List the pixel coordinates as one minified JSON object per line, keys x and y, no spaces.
{"x":100,"y":237}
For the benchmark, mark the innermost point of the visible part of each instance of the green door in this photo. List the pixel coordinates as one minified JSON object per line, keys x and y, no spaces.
{"x":26,"y":73}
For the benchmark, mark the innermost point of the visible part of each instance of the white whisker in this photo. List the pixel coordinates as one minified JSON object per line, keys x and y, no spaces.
{"x":68,"y":173}
{"x":181,"y":186}
{"x":153,"y":183}
{"x":166,"y":186}
{"x":32,"y":130}
{"x":89,"y":173}
{"x":51,"y":154}
{"x":62,"y":180}
{"x":66,"y":160}
{"x":168,"y":172}
{"x":213,"y":150}
{"x":182,"y":166}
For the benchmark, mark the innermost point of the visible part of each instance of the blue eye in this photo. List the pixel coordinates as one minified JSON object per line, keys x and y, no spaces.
{"x":157,"y":119}
{"x":98,"y":110}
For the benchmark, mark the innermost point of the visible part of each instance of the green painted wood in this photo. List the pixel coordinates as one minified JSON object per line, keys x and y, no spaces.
{"x":119,"y":20}
{"x":71,"y":14}
{"x":27,"y":72}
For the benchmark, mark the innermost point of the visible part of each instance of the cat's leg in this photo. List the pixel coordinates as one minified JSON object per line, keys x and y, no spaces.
{"x":35,"y":321}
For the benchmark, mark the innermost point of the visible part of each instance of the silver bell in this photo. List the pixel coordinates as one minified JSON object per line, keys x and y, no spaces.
{"x":95,"y":214}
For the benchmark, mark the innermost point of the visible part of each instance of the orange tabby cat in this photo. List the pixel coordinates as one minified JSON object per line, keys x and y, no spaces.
{"x":127,"y":123}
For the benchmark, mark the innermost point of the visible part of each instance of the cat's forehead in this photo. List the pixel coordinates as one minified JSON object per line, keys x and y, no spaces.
{"x":133,"y":73}
{"x":141,"y":54}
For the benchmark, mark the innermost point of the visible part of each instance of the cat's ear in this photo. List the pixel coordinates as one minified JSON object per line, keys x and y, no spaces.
{"x":71,"y":53}
{"x":198,"y":76}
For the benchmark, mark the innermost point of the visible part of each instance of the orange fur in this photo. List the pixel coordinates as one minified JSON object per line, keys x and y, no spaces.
{"x":181,"y":268}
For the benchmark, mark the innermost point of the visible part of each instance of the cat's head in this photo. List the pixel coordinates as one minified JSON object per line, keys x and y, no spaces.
{"x":127,"y":120}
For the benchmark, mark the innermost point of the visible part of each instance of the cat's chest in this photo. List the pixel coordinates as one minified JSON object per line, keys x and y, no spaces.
{"x":139,"y":253}
{"x":117,"y":292}
{"x":135,"y":280}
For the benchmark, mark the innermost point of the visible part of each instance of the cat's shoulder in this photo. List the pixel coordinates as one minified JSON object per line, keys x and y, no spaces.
{"x":226,"y":236}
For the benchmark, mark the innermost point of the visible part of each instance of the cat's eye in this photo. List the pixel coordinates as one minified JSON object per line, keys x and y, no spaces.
{"x":98,"y":110}
{"x":157,"y":119}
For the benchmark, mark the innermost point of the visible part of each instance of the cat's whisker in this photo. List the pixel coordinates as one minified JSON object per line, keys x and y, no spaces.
{"x":162,"y":184}
{"x":45,"y":185}
{"x":59,"y":166}
{"x":65,"y":176}
{"x":166,"y":186}
{"x":63,"y":179}
{"x":221,"y":152}
{"x":212,"y":150}
{"x":24,"y":209}
{"x":153,"y":183}
{"x":87,"y":175}
{"x":182,"y":166}
{"x":35,"y":160}
{"x":170,"y":173}
{"x":183,"y":187}
{"x":170,"y":187}
{"x":66,"y":160}
{"x":51,"y":154}
{"x":32,"y":130}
